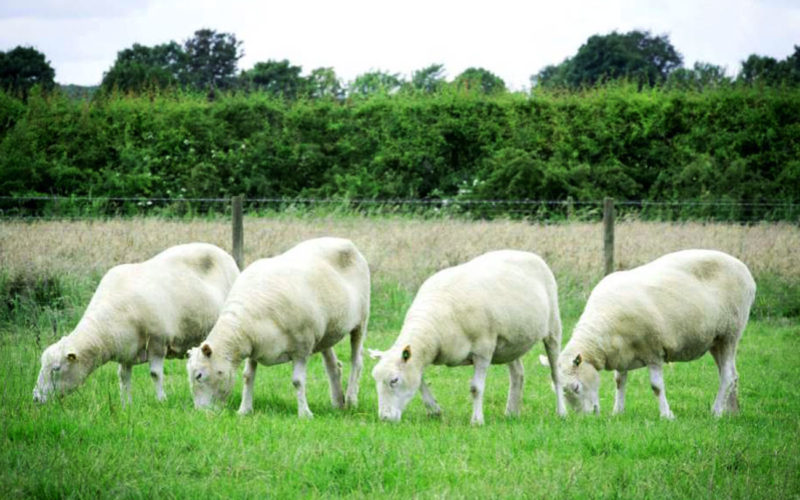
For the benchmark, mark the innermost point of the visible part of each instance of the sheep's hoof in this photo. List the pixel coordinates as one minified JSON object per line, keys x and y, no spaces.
{"x":435,"y":413}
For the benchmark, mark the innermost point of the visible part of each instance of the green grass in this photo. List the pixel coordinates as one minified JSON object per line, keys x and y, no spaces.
{"x":86,"y":445}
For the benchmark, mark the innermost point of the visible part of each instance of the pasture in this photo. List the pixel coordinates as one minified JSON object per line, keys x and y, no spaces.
{"x":87,"y":445}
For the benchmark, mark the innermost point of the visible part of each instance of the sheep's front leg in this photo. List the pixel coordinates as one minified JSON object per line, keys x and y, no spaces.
{"x":476,"y":388}
{"x":334,"y":369}
{"x":621,"y":378}
{"x":157,"y":374}
{"x":516,"y":376}
{"x":124,"y":373}
{"x":657,"y":383}
{"x":299,"y":383}
{"x":356,"y":363}
{"x":430,"y":402}
{"x":553,"y":348}
{"x":249,"y":376}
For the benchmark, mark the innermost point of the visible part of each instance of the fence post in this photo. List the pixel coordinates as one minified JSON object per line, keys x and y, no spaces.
{"x":238,"y":230}
{"x":608,"y":235}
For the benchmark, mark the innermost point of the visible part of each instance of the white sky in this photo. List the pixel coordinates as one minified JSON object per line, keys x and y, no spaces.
{"x":513,"y":39}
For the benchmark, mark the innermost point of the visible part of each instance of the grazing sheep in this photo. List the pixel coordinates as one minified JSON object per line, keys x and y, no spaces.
{"x":490,"y":310}
{"x":676,"y":308}
{"x":141,"y":312}
{"x":285,"y":309}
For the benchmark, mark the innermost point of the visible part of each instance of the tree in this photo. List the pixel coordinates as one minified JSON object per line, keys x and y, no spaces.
{"x":766,"y":70}
{"x":551,"y":76}
{"x":23,"y":67}
{"x":140,"y":67}
{"x":212,"y":59}
{"x":279,"y":78}
{"x":701,"y":77}
{"x":375,"y":82}
{"x":429,"y":79}
{"x":323,"y":83}
{"x":636,"y":55}
{"x":481,"y":80}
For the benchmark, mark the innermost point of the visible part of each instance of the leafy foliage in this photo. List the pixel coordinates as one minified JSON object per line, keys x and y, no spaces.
{"x":637,"y":56}
{"x":375,"y":82}
{"x":278,"y":78}
{"x":481,"y":80}
{"x":211,"y":59}
{"x":766,"y":70}
{"x":728,"y":142}
{"x":23,"y":67}
{"x":429,"y":79}
{"x":141,"y":68}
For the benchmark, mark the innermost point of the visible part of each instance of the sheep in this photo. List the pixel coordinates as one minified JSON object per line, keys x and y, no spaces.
{"x":675,"y":308}
{"x":286,"y":308}
{"x":141,"y":312}
{"x":490,"y":310}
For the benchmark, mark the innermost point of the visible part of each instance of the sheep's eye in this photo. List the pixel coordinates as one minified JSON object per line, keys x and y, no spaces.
{"x":198,"y":376}
{"x":57,"y":368}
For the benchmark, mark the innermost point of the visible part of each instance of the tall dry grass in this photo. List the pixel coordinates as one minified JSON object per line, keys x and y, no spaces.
{"x":400,"y":249}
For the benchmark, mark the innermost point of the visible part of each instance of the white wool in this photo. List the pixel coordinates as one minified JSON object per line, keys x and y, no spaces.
{"x":286,"y":308}
{"x":676,"y":308}
{"x":143,"y":312}
{"x":491,"y":309}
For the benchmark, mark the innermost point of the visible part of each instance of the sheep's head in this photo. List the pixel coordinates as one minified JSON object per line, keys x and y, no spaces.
{"x":210,"y":376}
{"x":62,"y":371}
{"x":581,"y":383}
{"x":397,"y":378}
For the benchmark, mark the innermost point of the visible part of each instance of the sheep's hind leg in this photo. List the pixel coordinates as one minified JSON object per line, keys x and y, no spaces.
{"x":356,"y":363}
{"x":516,"y":376}
{"x":552,"y":347}
{"x":657,"y":383}
{"x":727,"y":399}
{"x":334,"y":369}
{"x":299,"y":383}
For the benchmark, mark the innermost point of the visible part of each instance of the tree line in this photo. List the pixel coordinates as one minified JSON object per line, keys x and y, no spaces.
{"x":207,"y":62}
{"x":736,"y":143}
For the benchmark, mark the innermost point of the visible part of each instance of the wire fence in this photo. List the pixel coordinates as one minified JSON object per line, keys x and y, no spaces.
{"x":87,"y":207}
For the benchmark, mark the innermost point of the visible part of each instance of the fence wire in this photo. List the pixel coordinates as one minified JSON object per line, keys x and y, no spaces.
{"x":87,"y":208}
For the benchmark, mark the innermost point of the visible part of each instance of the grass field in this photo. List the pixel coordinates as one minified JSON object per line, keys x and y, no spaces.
{"x":86,"y":445}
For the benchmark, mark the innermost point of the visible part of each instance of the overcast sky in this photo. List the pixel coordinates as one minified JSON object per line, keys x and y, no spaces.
{"x":513,"y":39}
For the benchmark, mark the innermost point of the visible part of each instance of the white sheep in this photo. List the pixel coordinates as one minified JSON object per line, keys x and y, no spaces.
{"x":284,"y":309}
{"x":490,"y":310}
{"x":675,"y":308}
{"x":141,"y":312}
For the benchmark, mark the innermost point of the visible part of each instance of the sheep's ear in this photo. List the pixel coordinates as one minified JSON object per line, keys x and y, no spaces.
{"x":578,"y":360}
{"x":406,"y":353}
{"x":72,"y":356}
{"x":375,"y":354}
{"x":206,"y":350}
{"x":543,"y":360}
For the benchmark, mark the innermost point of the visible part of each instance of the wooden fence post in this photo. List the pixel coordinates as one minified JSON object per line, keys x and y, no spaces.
{"x":608,"y":235}
{"x":238,"y":230}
